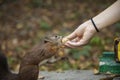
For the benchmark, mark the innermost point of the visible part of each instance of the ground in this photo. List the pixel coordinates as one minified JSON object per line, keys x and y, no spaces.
{"x":72,"y":75}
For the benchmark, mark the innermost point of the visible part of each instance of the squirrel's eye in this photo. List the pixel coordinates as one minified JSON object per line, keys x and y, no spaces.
{"x":56,"y":36}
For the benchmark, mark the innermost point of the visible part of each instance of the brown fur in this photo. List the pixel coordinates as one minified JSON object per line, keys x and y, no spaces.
{"x":29,"y":68}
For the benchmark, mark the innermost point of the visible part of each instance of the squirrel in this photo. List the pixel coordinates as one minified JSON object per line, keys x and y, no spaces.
{"x":29,"y":67}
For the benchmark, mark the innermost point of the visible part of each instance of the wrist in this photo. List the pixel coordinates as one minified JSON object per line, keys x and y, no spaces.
{"x":90,"y":27}
{"x":92,"y":21}
{"x":98,"y":23}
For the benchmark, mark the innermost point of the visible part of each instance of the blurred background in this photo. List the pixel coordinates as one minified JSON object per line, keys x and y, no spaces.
{"x":23,"y":23}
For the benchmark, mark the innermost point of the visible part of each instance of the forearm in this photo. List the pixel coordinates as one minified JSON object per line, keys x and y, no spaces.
{"x":108,"y":16}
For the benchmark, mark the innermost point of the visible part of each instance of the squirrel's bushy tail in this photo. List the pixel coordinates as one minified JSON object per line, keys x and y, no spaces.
{"x":4,"y":69}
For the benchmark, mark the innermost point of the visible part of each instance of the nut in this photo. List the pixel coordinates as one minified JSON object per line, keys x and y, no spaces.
{"x":64,"y":40}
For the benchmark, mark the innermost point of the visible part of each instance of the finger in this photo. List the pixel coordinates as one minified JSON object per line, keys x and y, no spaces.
{"x":75,"y":40}
{"x":78,"y":38}
{"x":64,"y":40}
{"x":69,"y":46}
{"x":71,"y":36}
{"x":75,"y":44}
{"x":80,"y":42}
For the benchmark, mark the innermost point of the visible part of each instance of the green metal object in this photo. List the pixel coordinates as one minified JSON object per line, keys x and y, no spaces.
{"x":108,"y":64}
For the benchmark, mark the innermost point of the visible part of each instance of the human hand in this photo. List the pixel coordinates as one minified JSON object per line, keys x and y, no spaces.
{"x":86,"y":31}
{"x":81,"y":36}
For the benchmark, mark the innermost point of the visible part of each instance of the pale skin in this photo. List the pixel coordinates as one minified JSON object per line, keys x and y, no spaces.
{"x":83,"y":34}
